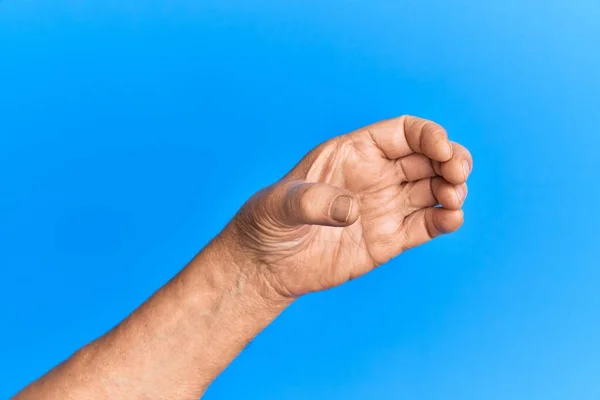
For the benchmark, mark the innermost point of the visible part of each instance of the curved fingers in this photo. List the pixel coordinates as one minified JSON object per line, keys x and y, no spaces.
{"x":429,"y":223}
{"x":405,"y":135}
{"x":456,"y":170}
{"x":433,"y":191}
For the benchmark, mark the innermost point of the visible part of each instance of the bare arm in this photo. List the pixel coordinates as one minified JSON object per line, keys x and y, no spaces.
{"x":176,"y":343}
{"x":351,"y":204}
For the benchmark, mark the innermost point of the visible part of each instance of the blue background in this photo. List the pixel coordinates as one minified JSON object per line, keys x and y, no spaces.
{"x":130,"y":132}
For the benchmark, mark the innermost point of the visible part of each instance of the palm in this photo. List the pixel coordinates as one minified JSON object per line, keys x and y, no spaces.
{"x":396,"y":189}
{"x":377,"y":234}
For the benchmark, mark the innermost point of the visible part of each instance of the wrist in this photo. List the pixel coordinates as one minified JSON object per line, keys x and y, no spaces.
{"x":232,"y":275}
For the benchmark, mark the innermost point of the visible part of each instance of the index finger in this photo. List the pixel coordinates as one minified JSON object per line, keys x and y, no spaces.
{"x":405,"y":135}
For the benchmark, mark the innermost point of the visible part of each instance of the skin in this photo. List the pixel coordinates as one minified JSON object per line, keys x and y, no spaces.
{"x":348,"y":206}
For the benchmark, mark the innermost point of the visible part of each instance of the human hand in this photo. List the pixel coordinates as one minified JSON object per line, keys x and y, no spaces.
{"x":353,"y":203}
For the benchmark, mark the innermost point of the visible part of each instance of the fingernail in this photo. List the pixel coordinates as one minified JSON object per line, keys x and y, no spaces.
{"x":341,"y":208}
{"x":462,"y":192}
{"x":466,"y":168}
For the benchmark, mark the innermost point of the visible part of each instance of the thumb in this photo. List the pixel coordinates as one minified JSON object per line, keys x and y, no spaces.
{"x":318,"y":204}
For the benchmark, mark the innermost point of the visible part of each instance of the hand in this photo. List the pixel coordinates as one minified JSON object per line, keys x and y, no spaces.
{"x":353,"y":203}
{"x":350,"y":205}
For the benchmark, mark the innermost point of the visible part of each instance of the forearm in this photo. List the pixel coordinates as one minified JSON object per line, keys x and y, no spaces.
{"x":351,"y":204}
{"x":176,"y":343}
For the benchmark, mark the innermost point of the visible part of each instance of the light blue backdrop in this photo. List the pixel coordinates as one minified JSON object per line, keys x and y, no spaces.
{"x":130,"y":134}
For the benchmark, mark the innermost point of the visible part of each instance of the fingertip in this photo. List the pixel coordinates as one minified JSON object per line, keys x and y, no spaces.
{"x":445,"y":150}
{"x":354,"y":211}
{"x":344,"y":209}
{"x":448,"y":221}
{"x":436,"y":144}
{"x":455,"y":220}
{"x":315,"y":203}
{"x":462,"y":192}
{"x":454,"y":171}
{"x":459,"y":167}
{"x":466,"y":167}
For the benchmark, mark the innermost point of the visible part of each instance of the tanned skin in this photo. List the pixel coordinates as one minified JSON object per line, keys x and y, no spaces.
{"x":350,"y":205}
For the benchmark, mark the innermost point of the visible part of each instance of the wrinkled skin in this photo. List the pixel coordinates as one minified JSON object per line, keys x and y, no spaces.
{"x":398,"y":184}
